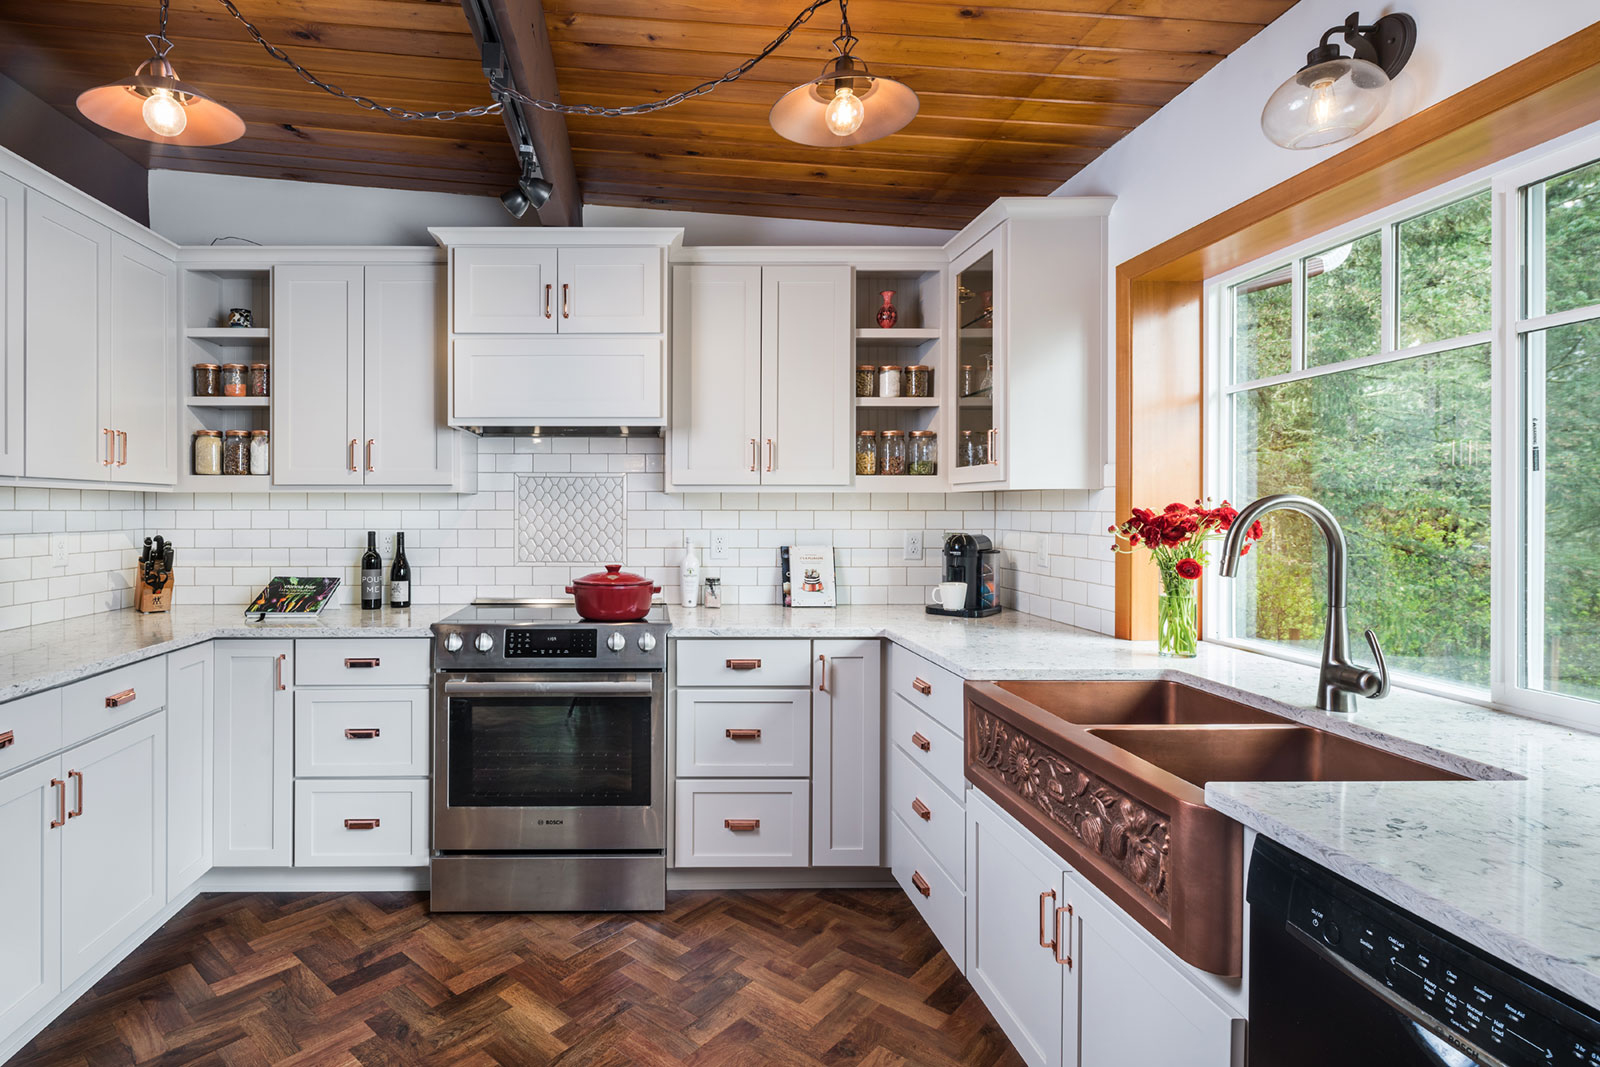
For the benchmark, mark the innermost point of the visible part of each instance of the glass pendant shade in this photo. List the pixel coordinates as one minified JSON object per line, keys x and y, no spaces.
{"x":1326,"y":103}
{"x":844,"y":106}
{"x":153,"y":105}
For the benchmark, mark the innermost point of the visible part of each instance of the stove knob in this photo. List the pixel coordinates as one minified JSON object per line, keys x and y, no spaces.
{"x":452,"y":643}
{"x":484,"y":643}
{"x":647,"y":642}
{"x":616,"y":642}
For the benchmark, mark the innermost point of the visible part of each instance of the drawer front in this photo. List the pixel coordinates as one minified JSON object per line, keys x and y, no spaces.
{"x":369,"y":661}
{"x":942,"y":903}
{"x":361,"y":823}
{"x":930,"y":746}
{"x":937,"y":820}
{"x":933,"y":689}
{"x":738,"y":661}
{"x":111,"y":699}
{"x":750,"y":823}
{"x":29,"y":729}
{"x":361,"y":733}
{"x":744,"y":733}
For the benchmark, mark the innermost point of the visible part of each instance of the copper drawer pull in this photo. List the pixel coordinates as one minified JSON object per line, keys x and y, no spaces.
{"x":1051,"y":894}
{"x":353,"y":453}
{"x":111,"y":447}
{"x":371,"y":661}
{"x":769,"y":455}
{"x":371,"y":468}
{"x":277,"y":671}
{"x":8,"y":739}
{"x":361,"y":824}
{"x":921,"y":809}
{"x":566,"y":304}
{"x":116,"y":700}
{"x":822,"y":680}
{"x":740,"y":826}
{"x":741,"y":734}
{"x":122,"y":439}
{"x":744,"y":664}
{"x":921,"y":883}
{"x":61,"y":803}
{"x":77,"y":811}
{"x":925,"y":688}
{"x":361,"y":733}
{"x":1067,"y":962}
{"x":547,"y":288}
{"x":921,"y":742}
{"x":755,"y":456}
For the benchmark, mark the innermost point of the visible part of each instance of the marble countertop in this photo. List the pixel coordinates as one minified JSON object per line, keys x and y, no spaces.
{"x":1506,"y":862}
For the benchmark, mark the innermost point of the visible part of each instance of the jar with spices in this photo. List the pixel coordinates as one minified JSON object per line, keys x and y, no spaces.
{"x":894,"y":452}
{"x":924,"y":452}
{"x":208,"y":451}
{"x":889,"y":379}
{"x":866,"y":380}
{"x":260,"y":452}
{"x":919,"y":380}
{"x":866,"y":453}
{"x":207,"y":379}
{"x":236,"y":452}
{"x":258,"y":383}
{"x":233,"y":375}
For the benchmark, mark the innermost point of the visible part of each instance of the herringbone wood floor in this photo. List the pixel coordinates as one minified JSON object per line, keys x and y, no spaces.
{"x":787,"y":978}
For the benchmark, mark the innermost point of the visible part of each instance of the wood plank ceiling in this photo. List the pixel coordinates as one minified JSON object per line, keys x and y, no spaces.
{"x":1017,"y":95}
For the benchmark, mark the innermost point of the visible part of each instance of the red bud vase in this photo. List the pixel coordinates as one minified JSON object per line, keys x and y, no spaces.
{"x":887,"y":315}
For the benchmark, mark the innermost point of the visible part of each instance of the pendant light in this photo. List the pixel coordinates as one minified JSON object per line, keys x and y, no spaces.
{"x":153,"y":105}
{"x":846,"y":104}
{"x":1334,"y":97}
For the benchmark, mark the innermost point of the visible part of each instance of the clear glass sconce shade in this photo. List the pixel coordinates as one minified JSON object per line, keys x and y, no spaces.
{"x":1326,"y":103}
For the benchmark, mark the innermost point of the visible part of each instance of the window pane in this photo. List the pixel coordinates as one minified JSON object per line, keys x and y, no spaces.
{"x":1400,"y":454}
{"x":1444,"y":281}
{"x":1565,"y":632}
{"x":1571,"y":256}
{"x":1344,"y":302}
{"x":1261,"y":316}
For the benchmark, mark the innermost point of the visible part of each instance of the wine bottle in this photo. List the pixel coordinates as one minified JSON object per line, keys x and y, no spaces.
{"x":371,"y":574}
{"x":400,"y":575}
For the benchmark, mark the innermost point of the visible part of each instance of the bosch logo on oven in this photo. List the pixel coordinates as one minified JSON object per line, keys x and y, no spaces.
{"x":552,"y":822}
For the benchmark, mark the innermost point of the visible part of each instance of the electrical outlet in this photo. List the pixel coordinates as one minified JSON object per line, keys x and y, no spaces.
{"x":388,"y":544}
{"x":58,"y":550}
{"x":913,"y":545}
{"x":719,"y":552}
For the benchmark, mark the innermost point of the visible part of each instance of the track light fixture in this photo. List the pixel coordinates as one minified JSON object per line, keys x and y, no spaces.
{"x":531,"y":191}
{"x":1333,"y":98}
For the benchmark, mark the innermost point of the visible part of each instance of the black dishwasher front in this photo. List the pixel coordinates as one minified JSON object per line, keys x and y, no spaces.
{"x":1341,"y":978}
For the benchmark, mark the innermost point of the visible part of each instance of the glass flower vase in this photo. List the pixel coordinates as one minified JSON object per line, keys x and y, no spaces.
{"x":1178,"y":622}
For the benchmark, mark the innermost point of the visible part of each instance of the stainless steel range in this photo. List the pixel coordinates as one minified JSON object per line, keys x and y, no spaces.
{"x":549,"y":760}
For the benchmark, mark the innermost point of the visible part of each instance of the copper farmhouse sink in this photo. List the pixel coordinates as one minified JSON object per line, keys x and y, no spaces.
{"x":1112,"y":775}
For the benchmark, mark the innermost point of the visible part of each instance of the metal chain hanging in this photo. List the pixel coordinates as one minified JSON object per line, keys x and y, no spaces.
{"x":503,"y":92}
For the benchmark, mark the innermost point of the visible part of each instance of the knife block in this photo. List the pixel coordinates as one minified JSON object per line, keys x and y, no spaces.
{"x":149,"y":602}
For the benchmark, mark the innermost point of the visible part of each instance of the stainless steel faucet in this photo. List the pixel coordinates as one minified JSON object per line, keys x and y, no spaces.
{"x":1341,"y":680}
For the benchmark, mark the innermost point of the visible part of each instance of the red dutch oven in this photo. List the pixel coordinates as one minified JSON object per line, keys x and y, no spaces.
{"x":613,"y":596}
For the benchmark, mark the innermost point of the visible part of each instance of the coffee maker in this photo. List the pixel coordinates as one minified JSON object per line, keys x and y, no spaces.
{"x":972,"y":560}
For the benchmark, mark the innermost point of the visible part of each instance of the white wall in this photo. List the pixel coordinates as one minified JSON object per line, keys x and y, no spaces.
{"x":707,"y":229}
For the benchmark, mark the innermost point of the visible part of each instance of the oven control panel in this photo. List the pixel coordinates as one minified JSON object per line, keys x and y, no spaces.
{"x":538,"y":642}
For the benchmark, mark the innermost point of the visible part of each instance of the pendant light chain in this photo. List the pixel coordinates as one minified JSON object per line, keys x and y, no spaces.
{"x":502,"y":93}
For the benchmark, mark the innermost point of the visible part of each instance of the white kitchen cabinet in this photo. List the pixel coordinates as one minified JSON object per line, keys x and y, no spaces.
{"x":113,"y":848}
{"x":190,"y":782}
{"x":504,"y":290}
{"x":558,"y":381}
{"x":31,"y":800}
{"x":13,"y":215}
{"x":610,"y":290}
{"x":361,"y":823}
{"x":749,"y":822}
{"x":846,"y":754}
{"x":743,"y":733}
{"x":404,"y":398}
{"x":716,"y":375}
{"x":254,"y":754}
{"x":139,"y":370}
{"x":358,"y":732}
{"x":537,"y":289}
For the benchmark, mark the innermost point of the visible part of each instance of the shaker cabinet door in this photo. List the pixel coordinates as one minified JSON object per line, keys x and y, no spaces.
{"x":716,"y":376}
{"x":190,"y":696}
{"x":30,"y":891}
{"x":405,"y":378}
{"x":806,"y":376}
{"x":503,"y":290}
{"x":319,"y":367}
{"x":12,"y":214}
{"x":847,"y":754}
{"x":610,"y":290}
{"x":254,"y":746}
{"x":144,"y":345}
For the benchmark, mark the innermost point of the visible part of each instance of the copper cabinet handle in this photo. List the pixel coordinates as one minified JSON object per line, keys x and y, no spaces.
{"x":277,"y":670}
{"x":740,"y":826}
{"x":769,"y":455}
{"x":361,"y":661}
{"x":116,"y":700}
{"x":370,"y":443}
{"x":1067,"y":962}
{"x":361,"y":733}
{"x":741,"y":734}
{"x":547,"y":288}
{"x":361,"y":824}
{"x":994,"y":458}
{"x":922,"y":810}
{"x":1051,"y":894}
{"x":744,"y":664}
{"x":921,"y":742}
{"x":923,"y":687}
{"x":111,"y":445}
{"x":61,"y":803}
{"x":353,"y":444}
{"x":921,"y":883}
{"x":822,"y":679}
{"x":755,"y":456}
{"x":122,"y":438}
{"x":8,"y":739}
{"x":566,"y":304}
{"x":77,"y":811}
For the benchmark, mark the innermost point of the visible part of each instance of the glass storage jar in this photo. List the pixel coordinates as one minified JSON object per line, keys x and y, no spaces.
{"x":260,"y":452}
{"x":258,"y":383}
{"x":866,"y":453}
{"x":866,"y":380}
{"x":919,"y":380}
{"x":924,"y":451}
{"x":208,"y":451}
{"x":893,"y":460}
{"x":207,"y":379}
{"x":967,"y":450}
{"x":889,"y":379}
{"x":236,"y":452}
{"x":233,"y":376}
{"x":971,"y":378}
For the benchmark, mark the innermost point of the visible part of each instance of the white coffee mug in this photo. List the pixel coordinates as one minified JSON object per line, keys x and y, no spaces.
{"x":952,"y":596}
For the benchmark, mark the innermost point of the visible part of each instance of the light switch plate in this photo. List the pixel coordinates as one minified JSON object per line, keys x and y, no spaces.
{"x":913,"y":548}
{"x":58,"y":550}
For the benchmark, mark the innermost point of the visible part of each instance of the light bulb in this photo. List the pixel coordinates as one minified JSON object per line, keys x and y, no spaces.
{"x":164,"y":113}
{"x":845,"y":112}
{"x":1323,"y":104}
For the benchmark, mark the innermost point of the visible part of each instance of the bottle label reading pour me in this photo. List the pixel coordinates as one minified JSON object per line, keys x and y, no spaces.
{"x":399,"y":593}
{"x":371,"y":585}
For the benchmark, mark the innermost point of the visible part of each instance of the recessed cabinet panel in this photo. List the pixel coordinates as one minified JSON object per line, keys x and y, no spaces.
{"x":610,"y":290}
{"x":744,"y":733}
{"x":404,"y":383}
{"x":716,"y":377}
{"x":505,"y":290}
{"x":143,"y":348}
{"x":319,"y":366}
{"x":30,"y":892}
{"x":567,"y":381}
{"x":254,"y":742}
{"x":846,"y":758}
{"x":806,"y":383}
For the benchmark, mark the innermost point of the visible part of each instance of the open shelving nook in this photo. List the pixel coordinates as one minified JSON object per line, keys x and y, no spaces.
{"x":915,"y":339}
{"x":209,"y":293}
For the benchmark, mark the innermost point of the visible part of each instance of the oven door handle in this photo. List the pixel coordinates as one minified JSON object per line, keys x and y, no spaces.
{"x":641,"y":688}
{"x":1420,"y":1018}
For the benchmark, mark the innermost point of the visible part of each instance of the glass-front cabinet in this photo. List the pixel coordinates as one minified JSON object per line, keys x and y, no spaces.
{"x":979,"y":456}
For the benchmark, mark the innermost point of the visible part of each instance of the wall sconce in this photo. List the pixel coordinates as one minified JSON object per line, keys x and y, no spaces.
{"x":1334,"y":97}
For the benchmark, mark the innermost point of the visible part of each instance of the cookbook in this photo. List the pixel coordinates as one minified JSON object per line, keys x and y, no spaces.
{"x":292,"y":599}
{"x":810,"y":582}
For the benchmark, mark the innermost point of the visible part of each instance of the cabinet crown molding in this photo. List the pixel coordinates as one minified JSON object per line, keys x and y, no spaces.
{"x":552,"y":236}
